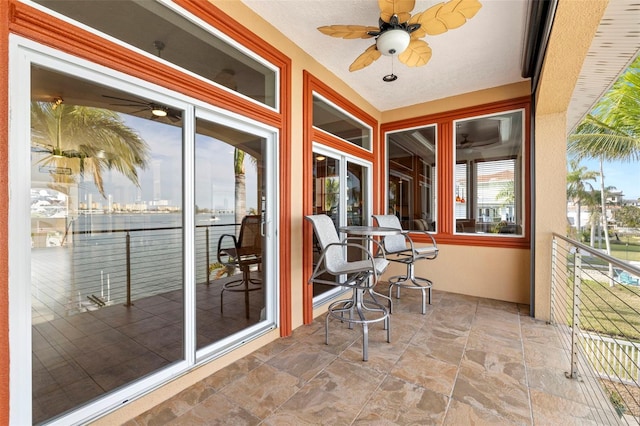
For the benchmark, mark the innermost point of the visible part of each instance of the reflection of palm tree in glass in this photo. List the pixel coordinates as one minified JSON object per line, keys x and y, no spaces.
{"x":240,"y":185}
{"x":332,"y":193}
{"x":240,"y":191}
{"x":507,"y":194}
{"x":83,"y":140}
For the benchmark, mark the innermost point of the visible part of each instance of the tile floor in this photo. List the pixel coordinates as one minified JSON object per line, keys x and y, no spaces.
{"x":467,"y":361}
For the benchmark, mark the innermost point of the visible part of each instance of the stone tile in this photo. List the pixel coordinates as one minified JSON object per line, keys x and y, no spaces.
{"x":460,"y":413}
{"x":382,"y":354}
{"x":215,"y":410}
{"x":495,"y":383}
{"x":439,"y":334}
{"x":498,"y":305}
{"x":535,"y":331}
{"x":416,"y":366}
{"x":402,"y":403}
{"x":554,"y":410}
{"x":232,"y":372}
{"x":539,"y":355}
{"x":552,"y":381}
{"x":176,"y":405}
{"x":303,"y":361}
{"x":262,"y":390}
{"x":335,"y":396}
{"x":499,"y":341}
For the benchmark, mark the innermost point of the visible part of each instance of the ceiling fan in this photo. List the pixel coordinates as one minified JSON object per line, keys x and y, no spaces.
{"x":399,"y":33}
{"x":157,"y":110}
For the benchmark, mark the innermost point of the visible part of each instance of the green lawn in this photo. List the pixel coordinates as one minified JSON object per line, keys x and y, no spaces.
{"x":613,"y":311}
{"x":625,"y":251}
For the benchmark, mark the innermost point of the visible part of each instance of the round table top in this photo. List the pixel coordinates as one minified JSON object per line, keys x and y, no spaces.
{"x":370,"y":230}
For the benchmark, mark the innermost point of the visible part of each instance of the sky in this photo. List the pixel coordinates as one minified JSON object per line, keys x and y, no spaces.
{"x":625,"y":176}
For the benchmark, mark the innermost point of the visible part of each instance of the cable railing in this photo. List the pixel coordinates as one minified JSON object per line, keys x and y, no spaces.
{"x":96,"y":268}
{"x":595,"y":307}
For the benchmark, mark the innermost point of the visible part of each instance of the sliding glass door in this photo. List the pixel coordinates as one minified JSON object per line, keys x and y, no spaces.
{"x":142,"y":238}
{"x":230,"y":229}
{"x":341,"y":190}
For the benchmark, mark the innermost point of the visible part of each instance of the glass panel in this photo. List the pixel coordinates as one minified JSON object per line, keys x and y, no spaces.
{"x":106,"y":235}
{"x":411,"y":156}
{"x":488,"y":175}
{"x":230,"y":196}
{"x":357,"y":203}
{"x":156,"y":29}
{"x":326,"y":191}
{"x":326,"y":196}
{"x":332,"y":120}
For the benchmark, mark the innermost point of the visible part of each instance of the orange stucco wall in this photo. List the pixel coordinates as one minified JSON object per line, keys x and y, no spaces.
{"x":4,"y":201}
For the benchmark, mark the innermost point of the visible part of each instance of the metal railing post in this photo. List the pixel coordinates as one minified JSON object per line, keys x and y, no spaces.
{"x":128,"y":242}
{"x":577,"y":281}
{"x":554,"y":251}
{"x":207,"y":251}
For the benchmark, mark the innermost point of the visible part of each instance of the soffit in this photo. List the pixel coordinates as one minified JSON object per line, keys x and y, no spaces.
{"x":615,"y":45}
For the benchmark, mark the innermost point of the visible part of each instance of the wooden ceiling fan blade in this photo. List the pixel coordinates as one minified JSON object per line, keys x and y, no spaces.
{"x":348,"y":31}
{"x":450,"y":16}
{"x":402,"y":8}
{"x":367,"y":58}
{"x":417,"y":54}
{"x":469,"y":8}
{"x":447,"y":16}
{"x":429,"y":22}
{"x":453,"y":14}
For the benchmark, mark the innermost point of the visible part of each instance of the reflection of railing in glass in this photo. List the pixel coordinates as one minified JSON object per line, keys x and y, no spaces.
{"x":108,"y":267}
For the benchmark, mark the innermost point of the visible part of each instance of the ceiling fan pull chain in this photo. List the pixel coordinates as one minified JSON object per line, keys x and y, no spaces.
{"x":390,"y":77}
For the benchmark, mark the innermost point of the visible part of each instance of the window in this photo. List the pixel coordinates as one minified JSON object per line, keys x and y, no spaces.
{"x":332,"y":120}
{"x":488,"y":175}
{"x":411,"y":156}
{"x":156,"y":29}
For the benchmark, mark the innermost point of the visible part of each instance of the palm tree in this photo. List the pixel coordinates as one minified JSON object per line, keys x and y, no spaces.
{"x":612,"y":131}
{"x":83,"y":140}
{"x":578,"y":189}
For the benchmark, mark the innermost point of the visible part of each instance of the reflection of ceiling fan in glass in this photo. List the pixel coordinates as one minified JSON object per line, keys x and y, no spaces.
{"x":399,"y":32}
{"x":156,"y":110}
{"x":466,"y":143}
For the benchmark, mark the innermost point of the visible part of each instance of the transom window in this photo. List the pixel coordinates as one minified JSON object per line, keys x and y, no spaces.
{"x":333,"y":120}
{"x":163,"y":32}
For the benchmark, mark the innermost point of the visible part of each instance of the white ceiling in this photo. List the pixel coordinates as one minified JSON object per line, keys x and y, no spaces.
{"x":485,"y":52}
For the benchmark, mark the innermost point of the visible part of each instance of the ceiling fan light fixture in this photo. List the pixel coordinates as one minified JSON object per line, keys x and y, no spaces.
{"x":159,"y":111}
{"x":393,"y":42}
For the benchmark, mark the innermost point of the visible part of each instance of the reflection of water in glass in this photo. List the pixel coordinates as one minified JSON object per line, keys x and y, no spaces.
{"x":93,"y":262}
